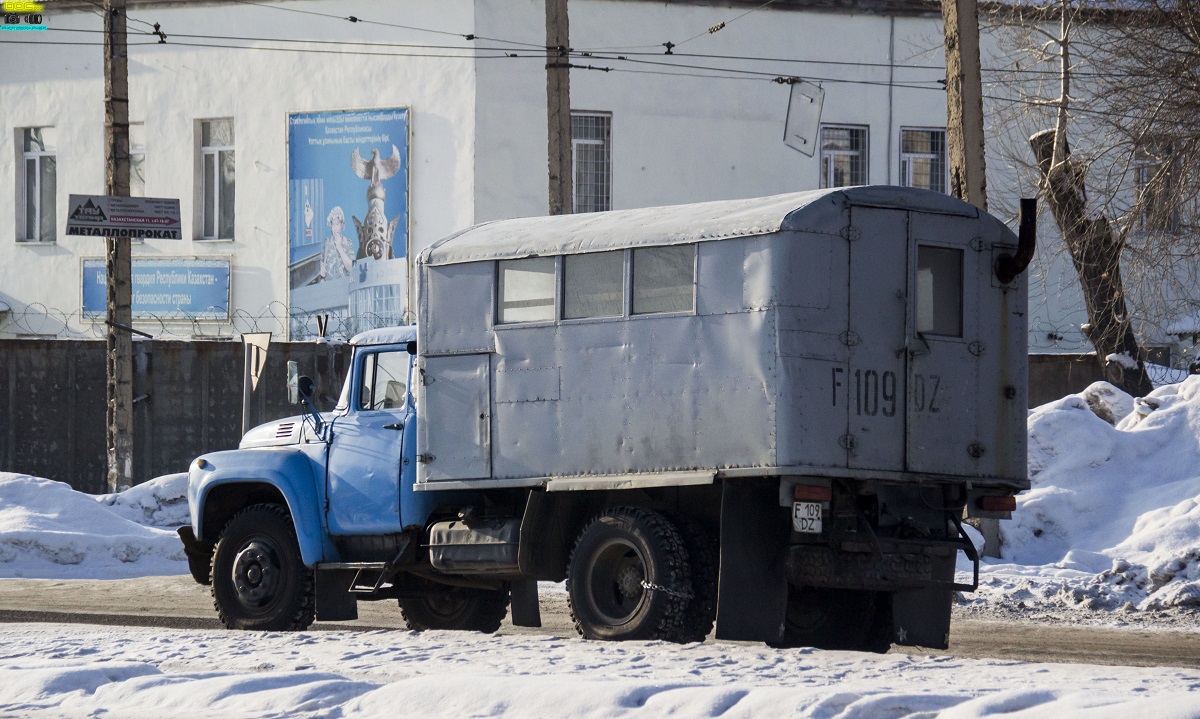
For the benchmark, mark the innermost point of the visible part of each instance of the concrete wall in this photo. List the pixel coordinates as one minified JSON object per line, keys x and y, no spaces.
{"x":1052,"y":376}
{"x":188,"y":401}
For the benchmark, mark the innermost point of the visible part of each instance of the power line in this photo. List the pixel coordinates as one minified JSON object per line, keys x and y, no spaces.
{"x":355,"y":19}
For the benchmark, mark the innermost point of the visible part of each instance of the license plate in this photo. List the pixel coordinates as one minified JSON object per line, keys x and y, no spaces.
{"x":806,"y":517}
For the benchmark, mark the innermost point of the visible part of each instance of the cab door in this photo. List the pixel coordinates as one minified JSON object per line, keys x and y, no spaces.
{"x":368,"y":442}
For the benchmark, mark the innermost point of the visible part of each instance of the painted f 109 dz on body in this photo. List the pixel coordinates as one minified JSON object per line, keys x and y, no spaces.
{"x":772,"y":414}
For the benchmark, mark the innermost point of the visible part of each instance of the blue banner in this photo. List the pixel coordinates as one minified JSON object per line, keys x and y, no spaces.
{"x":183,"y":288}
{"x":347,"y":204}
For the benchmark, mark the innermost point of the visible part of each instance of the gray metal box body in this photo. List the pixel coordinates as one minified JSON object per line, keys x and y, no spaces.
{"x":801,"y":355}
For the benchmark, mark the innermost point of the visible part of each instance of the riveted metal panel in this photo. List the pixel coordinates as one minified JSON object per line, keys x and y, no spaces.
{"x":875,"y":377}
{"x":454,"y":418}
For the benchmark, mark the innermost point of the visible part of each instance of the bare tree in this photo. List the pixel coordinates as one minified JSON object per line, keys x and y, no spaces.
{"x":1128,"y":87}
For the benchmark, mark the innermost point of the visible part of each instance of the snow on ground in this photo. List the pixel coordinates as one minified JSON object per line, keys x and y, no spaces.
{"x":84,"y":671}
{"x":48,"y":530}
{"x":1109,"y":533}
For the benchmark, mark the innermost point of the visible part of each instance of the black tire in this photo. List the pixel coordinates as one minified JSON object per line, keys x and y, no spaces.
{"x":845,"y":619}
{"x":469,"y":610}
{"x":704,"y":558}
{"x":628,"y":577}
{"x":259,"y":580}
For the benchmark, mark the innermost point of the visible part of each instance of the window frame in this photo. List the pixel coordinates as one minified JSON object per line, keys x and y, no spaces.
{"x":371,"y":359}
{"x":962,"y":292}
{"x":906,"y":177}
{"x":606,"y":182}
{"x":215,"y":152}
{"x":1145,"y":168}
{"x":825,"y":179}
{"x":24,"y":197}
{"x":626,"y":290}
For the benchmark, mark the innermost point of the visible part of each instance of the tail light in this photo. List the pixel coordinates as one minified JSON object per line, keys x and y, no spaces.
{"x":806,"y":493}
{"x":998,"y":504}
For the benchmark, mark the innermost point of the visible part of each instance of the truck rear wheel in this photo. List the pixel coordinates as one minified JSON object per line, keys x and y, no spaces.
{"x":836,"y":619}
{"x":704,"y":563}
{"x":628,"y":577}
{"x":258,"y":579}
{"x":470,"y":610}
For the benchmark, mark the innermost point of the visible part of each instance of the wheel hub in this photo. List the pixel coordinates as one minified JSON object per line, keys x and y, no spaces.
{"x":629,"y":582}
{"x":256,"y":573}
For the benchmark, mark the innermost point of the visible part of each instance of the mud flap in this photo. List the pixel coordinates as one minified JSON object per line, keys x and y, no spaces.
{"x":199,"y":555}
{"x":752,"y":587}
{"x":921,"y":617}
{"x":335,"y":601}
{"x":525,"y":610}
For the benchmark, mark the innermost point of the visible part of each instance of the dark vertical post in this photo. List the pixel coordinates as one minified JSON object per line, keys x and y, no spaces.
{"x":558,"y":107}
{"x":964,"y":102}
{"x":119,"y":355}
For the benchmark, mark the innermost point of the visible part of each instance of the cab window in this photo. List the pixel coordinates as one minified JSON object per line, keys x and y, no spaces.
{"x":384,"y":380}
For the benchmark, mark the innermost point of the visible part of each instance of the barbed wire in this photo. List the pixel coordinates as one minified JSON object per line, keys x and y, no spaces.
{"x":38,"y":320}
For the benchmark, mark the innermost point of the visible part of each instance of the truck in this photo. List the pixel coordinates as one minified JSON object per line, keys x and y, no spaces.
{"x":771,"y":416}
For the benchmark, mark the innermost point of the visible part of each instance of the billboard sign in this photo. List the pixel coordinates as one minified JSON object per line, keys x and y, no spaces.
{"x":134,"y":218}
{"x":165,"y":288}
{"x":347,"y":207}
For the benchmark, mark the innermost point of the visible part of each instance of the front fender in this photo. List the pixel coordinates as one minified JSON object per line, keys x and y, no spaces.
{"x":287,"y":470}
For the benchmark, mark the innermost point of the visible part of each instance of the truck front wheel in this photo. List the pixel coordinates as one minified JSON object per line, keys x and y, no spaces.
{"x":258,"y":579}
{"x":628,"y":577}
{"x":470,"y":610}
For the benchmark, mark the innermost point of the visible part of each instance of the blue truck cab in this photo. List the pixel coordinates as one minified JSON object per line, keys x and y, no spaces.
{"x":767,"y":416}
{"x":315,"y":511}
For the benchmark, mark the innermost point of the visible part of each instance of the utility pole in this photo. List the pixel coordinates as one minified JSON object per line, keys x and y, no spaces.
{"x":964,"y":102}
{"x":117,"y":264}
{"x":558,"y":107}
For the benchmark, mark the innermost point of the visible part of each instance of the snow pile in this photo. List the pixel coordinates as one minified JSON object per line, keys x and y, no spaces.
{"x":48,"y":530}
{"x":87,"y":671}
{"x":1113,"y":519}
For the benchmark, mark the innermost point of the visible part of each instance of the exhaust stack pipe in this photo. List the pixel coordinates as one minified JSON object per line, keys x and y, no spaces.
{"x":1009,"y":266}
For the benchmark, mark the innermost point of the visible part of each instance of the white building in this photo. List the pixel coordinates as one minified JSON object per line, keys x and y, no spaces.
{"x":665,"y":111}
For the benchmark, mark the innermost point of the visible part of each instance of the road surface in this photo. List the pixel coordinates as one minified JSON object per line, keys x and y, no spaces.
{"x":178,"y":602}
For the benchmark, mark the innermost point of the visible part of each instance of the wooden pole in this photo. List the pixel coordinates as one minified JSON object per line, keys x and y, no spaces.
{"x":119,"y":355}
{"x":558,"y":107}
{"x":964,"y":102}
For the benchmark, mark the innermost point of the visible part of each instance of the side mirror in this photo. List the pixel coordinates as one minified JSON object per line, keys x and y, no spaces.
{"x":293,"y":379}
{"x":305,"y":387}
{"x":412,"y":347}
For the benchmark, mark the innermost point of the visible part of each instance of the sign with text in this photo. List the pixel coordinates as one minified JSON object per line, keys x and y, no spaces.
{"x":172,"y":288}
{"x":347,"y":210}
{"x":134,"y":218}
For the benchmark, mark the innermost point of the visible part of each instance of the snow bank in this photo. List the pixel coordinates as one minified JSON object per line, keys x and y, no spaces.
{"x":85,"y":671}
{"x":50,"y":531}
{"x":1112,"y":521}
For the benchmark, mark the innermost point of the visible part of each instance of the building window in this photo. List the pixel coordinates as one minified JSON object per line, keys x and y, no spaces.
{"x":137,"y":159}
{"x":923,"y":158}
{"x":939,"y":291}
{"x":843,"y":155}
{"x":37,"y":213}
{"x":216,"y":172}
{"x":591,"y":156}
{"x":664,"y":279}
{"x":1152,"y":173}
{"x":526,"y":290}
{"x":594,"y":285}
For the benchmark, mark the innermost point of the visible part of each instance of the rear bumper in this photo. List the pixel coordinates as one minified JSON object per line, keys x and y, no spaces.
{"x":883,"y":565}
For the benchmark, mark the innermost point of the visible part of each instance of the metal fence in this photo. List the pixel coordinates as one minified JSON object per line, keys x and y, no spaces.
{"x":187,"y":401}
